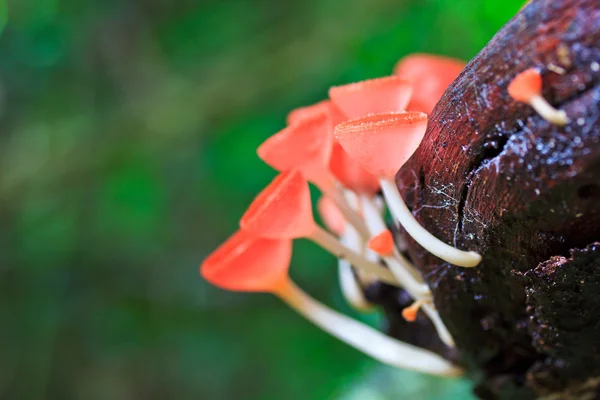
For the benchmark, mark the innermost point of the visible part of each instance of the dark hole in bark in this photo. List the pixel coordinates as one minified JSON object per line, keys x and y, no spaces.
{"x":589,"y":191}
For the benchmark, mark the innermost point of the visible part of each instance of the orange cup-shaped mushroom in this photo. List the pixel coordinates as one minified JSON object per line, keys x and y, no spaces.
{"x":347,"y":171}
{"x":410,"y":313}
{"x":283,"y":210}
{"x":430,"y":75}
{"x":382,"y":243}
{"x":248,"y":263}
{"x":382,"y":144}
{"x":306,"y":146}
{"x":526,"y":87}
{"x":323,"y":106}
{"x":351,"y":174}
{"x":373,"y":96}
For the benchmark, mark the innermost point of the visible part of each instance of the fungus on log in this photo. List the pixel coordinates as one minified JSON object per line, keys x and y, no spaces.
{"x":493,"y":176}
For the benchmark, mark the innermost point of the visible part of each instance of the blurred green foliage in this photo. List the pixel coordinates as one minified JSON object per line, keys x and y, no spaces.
{"x":127,"y":154}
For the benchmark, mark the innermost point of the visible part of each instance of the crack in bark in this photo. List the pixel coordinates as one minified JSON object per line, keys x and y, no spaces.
{"x":531,"y":193}
{"x":492,"y":148}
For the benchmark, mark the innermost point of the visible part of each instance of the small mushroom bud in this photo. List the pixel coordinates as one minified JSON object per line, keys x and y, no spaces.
{"x":383,"y":243}
{"x":526,"y":87}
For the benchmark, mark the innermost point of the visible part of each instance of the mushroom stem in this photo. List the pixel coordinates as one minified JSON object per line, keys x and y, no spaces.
{"x":348,"y":278}
{"x":546,"y":111}
{"x":364,"y":338}
{"x":376,"y":223}
{"x":399,"y":262}
{"x":354,"y":201}
{"x":439,"y":325}
{"x":422,"y":294}
{"x":402,"y":269}
{"x":326,"y":240}
{"x":351,"y":289}
{"x":364,"y":278}
{"x":429,"y":242}
{"x":335,"y":193}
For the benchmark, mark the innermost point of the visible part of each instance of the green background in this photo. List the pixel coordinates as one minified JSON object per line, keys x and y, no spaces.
{"x":127,"y":139}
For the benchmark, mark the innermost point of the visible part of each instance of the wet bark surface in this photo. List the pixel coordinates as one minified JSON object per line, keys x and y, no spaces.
{"x":494,"y":177}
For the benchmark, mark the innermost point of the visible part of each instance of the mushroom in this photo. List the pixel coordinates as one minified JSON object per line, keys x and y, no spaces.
{"x":526,"y":87}
{"x":410,"y":313}
{"x":349,"y":237}
{"x":306,"y":146}
{"x":283,"y":210}
{"x":248,"y":263}
{"x":396,"y":261}
{"x":382,"y":243}
{"x":332,"y":217}
{"x":357,"y":100}
{"x":372,"y":96}
{"x":350,"y":173}
{"x":347,"y":172}
{"x":365,"y":184}
{"x":429,"y":76}
{"x":382,"y":143}
{"x":406,"y":274}
{"x":323,"y":106}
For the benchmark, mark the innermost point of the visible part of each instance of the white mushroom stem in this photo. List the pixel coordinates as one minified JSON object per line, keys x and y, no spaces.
{"x":429,"y":242}
{"x":379,"y":203}
{"x":364,"y":338}
{"x":354,"y":202}
{"x":330,"y":243}
{"x":375,"y":224}
{"x":437,"y":322}
{"x":351,"y":289}
{"x":546,"y":111}
{"x":367,"y":252}
{"x":335,"y":193}
{"x":402,"y":269}
{"x":349,"y":282}
{"x":366,"y":279}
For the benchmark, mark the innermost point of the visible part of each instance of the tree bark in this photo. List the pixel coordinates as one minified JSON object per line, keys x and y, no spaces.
{"x":494,"y":177}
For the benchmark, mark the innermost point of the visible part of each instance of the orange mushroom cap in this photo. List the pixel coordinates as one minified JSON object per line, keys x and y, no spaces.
{"x":350,"y":173}
{"x":373,"y":96}
{"x":382,"y":143}
{"x":383,"y":243}
{"x":323,"y":106}
{"x":305,"y":146}
{"x":525,"y":85}
{"x":410,"y":313}
{"x":282,"y":210}
{"x":331,"y":215}
{"x":430,"y":75}
{"x":248,"y":263}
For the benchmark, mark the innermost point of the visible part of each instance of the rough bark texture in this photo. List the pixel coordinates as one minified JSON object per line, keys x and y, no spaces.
{"x":494,"y":177}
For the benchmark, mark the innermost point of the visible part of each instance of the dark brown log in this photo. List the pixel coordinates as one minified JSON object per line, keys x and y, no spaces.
{"x":563,"y":303}
{"x":494,"y":177}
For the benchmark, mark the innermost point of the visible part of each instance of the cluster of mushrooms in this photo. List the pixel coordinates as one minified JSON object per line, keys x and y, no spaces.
{"x":350,"y":147}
